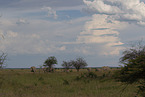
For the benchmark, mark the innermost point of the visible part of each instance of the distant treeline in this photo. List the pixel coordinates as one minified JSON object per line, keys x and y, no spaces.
{"x":64,"y":68}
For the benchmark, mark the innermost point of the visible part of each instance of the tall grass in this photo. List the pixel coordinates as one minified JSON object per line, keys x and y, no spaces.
{"x":23,"y":83}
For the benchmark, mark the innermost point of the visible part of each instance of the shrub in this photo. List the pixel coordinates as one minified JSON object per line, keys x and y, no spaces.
{"x":89,"y":75}
{"x":133,"y":70}
{"x":40,"y":78}
{"x":96,"y":69}
{"x":65,"y":82}
{"x":71,"y":71}
{"x":104,"y":75}
{"x":77,"y":78}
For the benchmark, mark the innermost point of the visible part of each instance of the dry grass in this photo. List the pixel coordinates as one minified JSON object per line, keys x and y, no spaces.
{"x":23,"y":83}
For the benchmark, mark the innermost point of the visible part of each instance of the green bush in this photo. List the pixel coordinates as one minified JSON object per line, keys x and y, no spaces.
{"x":65,"y":82}
{"x":96,"y":69}
{"x":71,"y":71}
{"x":91,"y":75}
{"x":88,"y":75}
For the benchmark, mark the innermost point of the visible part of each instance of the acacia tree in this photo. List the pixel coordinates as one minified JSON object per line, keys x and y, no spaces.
{"x":79,"y":63}
{"x":66,"y":65}
{"x":2,"y":57}
{"x":49,"y":62}
{"x":2,"y":60}
{"x":134,"y":67}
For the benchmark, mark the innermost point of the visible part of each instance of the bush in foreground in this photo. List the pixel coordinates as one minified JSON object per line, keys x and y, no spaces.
{"x":133,"y":70}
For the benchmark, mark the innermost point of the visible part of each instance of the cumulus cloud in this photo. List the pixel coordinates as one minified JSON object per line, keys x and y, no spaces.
{"x":123,"y":10}
{"x":101,"y":7}
{"x":51,"y":12}
{"x":108,"y":17}
{"x":39,"y":36}
{"x":100,"y":31}
{"x":19,"y":43}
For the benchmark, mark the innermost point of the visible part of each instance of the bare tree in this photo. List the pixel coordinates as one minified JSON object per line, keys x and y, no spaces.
{"x":2,"y":60}
{"x":3,"y":55}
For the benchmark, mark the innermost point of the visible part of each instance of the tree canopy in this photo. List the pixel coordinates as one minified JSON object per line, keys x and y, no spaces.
{"x":134,"y":66}
{"x":50,"y":61}
{"x":79,"y":63}
{"x":66,"y":65}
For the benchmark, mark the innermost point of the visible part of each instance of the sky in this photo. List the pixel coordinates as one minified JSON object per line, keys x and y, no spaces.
{"x":96,"y":30}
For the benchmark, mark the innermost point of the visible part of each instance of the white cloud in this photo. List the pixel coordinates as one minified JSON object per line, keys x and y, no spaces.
{"x":124,"y":10}
{"x":101,"y":7}
{"x":110,"y":50}
{"x":51,"y":12}
{"x":100,"y":31}
{"x":38,"y":36}
{"x":83,"y":50}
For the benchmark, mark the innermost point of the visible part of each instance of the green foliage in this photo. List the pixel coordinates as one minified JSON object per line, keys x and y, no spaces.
{"x":96,"y":69}
{"x":88,"y":75}
{"x":41,"y":84}
{"x":66,"y":65}
{"x":49,"y":62}
{"x":79,"y":63}
{"x":134,"y":66}
{"x":65,"y":82}
{"x":104,"y":75}
{"x":71,"y":70}
{"x":142,"y":87}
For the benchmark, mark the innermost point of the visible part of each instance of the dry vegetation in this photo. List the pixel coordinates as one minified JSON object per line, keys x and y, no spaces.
{"x":23,"y":83}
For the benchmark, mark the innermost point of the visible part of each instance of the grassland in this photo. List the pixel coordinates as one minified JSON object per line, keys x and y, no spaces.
{"x":23,"y":83}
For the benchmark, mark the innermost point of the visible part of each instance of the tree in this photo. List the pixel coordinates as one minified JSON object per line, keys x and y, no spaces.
{"x":49,"y":62}
{"x":2,"y":60}
{"x":66,"y":65}
{"x":79,"y":63}
{"x":134,"y":67}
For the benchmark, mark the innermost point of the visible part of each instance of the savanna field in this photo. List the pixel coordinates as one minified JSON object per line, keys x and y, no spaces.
{"x":24,"y":83}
